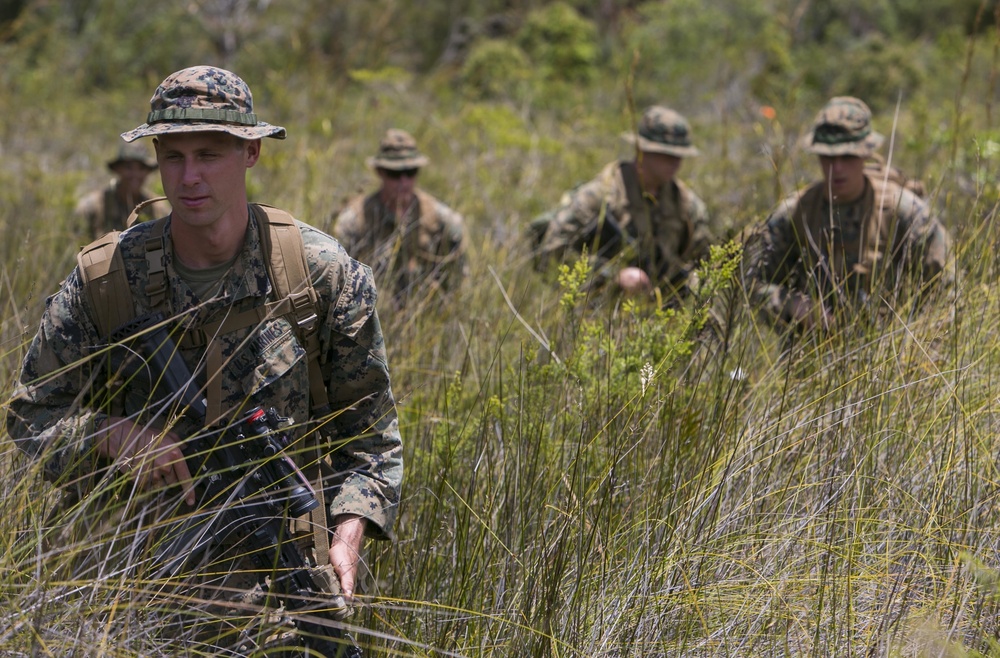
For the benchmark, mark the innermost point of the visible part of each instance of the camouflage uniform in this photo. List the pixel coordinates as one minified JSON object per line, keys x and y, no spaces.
{"x":422,"y":246}
{"x":264,"y":364}
{"x":665,"y":234}
{"x":844,"y":253}
{"x":105,"y":210}
{"x":70,"y":381}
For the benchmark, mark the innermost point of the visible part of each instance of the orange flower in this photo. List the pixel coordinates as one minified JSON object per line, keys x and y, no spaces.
{"x":768,"y":112}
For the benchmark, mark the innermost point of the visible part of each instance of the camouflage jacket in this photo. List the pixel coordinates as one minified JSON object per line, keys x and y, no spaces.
{"x":600,"y":216}
{"x":104,"y":211}
{"x":66,"y":386}
{"x":426,"y":247}
{"x":845,"y":252}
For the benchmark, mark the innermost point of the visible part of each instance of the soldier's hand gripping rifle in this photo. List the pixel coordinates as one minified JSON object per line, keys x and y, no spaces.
{"x":248,"y":488}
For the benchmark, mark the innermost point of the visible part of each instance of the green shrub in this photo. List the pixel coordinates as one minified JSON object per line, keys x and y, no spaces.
{"x":560,"y":42}
{"x":495,"y":69}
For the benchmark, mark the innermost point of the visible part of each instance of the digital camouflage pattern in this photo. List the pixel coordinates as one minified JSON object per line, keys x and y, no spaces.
{"x":62,"y":395}
{"x":845,"y":254}
{"x":200,"y":99}
{"x":843,"y":127}
{"x":412,"y":253}
{"x":598,"y":216}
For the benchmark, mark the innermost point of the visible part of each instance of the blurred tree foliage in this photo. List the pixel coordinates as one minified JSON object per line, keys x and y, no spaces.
{"x":767,"y":50}
{"x":495,"y":69}
{"x":560,"y":42}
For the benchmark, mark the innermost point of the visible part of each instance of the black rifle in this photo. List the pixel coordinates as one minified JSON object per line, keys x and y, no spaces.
{"x":248,"y":489}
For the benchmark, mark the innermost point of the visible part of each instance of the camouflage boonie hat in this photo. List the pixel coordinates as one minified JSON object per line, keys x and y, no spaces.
{"x":662,"y":130}
{"x":398,"y":151}
{"x":843,"y":127}
{"x":133,"y":153}
{"x":203,"y":99}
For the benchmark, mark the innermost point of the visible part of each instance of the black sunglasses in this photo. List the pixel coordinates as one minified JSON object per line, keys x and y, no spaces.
{"x":396,"y":174}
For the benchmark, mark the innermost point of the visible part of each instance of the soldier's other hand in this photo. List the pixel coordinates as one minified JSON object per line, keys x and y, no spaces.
{"x":152,"y":458}
{"x":345,"y":550}
{"x":634,"y":281}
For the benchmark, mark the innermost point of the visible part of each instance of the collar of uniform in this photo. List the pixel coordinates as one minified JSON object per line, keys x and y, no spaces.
{"x":246,"y":278}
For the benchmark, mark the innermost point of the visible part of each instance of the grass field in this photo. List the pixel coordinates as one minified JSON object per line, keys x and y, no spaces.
{"x":581,"y":478}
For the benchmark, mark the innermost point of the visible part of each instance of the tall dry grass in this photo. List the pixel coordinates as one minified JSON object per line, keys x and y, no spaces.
{"x":576,"y":483}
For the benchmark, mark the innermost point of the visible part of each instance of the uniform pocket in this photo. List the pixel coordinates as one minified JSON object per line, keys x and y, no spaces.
{"x":279,"y":351}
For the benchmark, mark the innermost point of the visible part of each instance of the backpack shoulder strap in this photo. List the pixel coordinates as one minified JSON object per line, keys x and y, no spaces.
{"x":281,"y":241}
{"x":102,"y":272}
{"x":285,"y":254}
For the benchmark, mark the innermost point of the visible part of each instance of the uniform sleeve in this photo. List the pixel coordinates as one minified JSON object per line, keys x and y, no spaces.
{"x":454,"y":267}
{"x":926,"y":245}
{"x":365,"y":448}
{"x":702,"y":237}
{"x":770,"y":257}
{"x":584,"y":215}
{"x":47,"y":417}
{"x":348,"y":227}
{"x":88,"y":210}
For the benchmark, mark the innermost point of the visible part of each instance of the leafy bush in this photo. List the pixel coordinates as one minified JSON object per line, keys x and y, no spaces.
{"x":560,"y":42}
{"x":495,"y":69}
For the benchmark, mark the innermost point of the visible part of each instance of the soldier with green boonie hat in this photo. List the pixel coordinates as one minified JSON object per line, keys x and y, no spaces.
{"x":850,"y":239}
{"x":644,"y":228}
{"x":413,"y":242}
{"x":106,"y":208}
{"x":265,"y":311}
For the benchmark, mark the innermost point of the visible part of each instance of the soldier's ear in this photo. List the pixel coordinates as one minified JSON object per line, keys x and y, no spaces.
{"x":252,"y":152}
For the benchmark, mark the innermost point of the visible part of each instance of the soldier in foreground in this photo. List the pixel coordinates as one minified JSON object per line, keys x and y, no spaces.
{"x":643,"y":227}
{"x":846,"y":241}
{"x":120,"y":451}
{"x":107,"y":209}
{"x":414,"y":243}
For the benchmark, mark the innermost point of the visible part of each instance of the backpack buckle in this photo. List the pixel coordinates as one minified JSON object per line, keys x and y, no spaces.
{"x":304,"y":311}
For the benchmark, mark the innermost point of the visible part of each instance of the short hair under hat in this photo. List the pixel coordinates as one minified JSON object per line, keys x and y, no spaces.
{"x":663,"y":130}
{"x":203,"y":99}
{"x":843,"y":127}
{"x":398,"y":151}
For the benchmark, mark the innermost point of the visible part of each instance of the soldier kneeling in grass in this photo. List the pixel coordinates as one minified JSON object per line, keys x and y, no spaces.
{"x":857,"y":236}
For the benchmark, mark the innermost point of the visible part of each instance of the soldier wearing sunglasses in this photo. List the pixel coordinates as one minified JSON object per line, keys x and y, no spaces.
{"x":413,"y":242}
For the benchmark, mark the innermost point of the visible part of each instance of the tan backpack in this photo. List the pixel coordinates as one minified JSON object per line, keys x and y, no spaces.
{"x":102,"y":272}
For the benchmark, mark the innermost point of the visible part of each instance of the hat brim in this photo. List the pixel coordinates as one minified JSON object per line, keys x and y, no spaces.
{"x":862,"y":148}
{"x":400,"y":164}
{"x":258,"y":131}
{"x":649,"y":146}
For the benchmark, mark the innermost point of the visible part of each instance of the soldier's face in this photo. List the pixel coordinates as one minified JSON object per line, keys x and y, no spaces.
{"x":204,"y":174}
{"x":844,"y":176}
{"x":131,"y":176}
{"x":658,"y":169}
{"x":397,"y":187}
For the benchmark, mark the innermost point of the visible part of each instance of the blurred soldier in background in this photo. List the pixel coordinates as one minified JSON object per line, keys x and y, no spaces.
{"x":644,"y":228}
{"x":107,"y":209}
{"x":855,"y":236}
{"x":414,"y":243}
